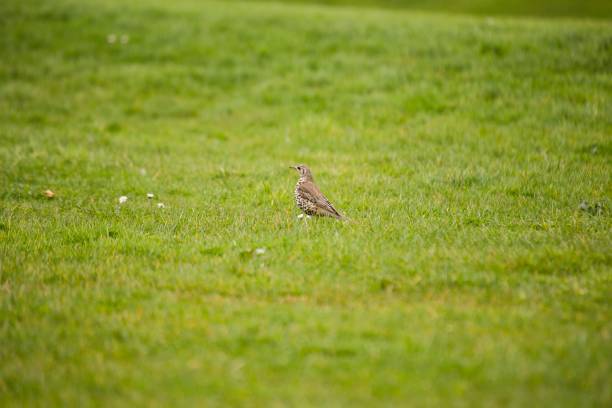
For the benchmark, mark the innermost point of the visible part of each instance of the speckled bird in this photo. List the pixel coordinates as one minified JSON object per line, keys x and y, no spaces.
{"x":309,"y":198}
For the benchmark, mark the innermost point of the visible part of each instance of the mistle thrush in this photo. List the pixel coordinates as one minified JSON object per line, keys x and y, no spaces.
{"x":309,"y":198}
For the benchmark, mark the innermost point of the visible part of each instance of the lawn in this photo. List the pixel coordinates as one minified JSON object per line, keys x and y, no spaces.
{"x":473,"y":156}
{"x":601,"y":9}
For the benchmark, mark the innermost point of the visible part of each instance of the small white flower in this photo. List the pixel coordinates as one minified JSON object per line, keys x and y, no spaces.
{"x":160,"y":205}
{"x":300,"y":216}
{"x":122,"y":199}
{"x":150,"y":195}
{"x":111,"y":38}
{"x":260,"y":251}
{"x":143,"y":172}
{"x":124,"y":39}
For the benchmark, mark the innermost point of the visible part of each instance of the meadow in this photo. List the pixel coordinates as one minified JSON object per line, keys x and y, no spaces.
{"x":599,"y":9}
{"x":472,"y":154}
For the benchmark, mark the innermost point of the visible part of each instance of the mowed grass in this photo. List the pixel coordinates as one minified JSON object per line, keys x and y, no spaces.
{"x":601,"y":9}
{"x":460,"y":147}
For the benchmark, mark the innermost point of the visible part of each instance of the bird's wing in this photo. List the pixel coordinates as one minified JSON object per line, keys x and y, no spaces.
{"x":312,"y":193}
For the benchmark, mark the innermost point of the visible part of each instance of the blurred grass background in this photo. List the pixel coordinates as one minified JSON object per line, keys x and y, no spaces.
{"x":599,"y":9}
{"x":460,"y":146}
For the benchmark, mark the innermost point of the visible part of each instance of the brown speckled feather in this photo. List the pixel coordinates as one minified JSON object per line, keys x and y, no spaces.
{"x":309,"y":191}
{"x":309,"y":198}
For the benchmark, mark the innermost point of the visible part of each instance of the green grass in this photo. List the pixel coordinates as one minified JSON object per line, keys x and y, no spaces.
{"x":460,"y":147}
{"x":541,"y":8}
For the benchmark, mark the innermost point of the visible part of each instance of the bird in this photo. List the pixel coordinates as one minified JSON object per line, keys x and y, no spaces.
{"x":309,"y":198}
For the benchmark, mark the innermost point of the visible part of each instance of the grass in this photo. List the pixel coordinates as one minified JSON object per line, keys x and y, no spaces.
{"x":460,"y":147}
{"x":541,"y":8}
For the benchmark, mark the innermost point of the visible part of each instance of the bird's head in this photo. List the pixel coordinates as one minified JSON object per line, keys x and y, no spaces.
{"x":303,"y":170}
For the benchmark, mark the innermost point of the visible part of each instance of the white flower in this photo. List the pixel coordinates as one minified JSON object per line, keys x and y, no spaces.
{"x":150,"y":195}
{"x":111,"y":38}
{"x":122,"y":199}
{"x":124,"y":39}
{"x":160,"y":205}
{"x":260,"y":251}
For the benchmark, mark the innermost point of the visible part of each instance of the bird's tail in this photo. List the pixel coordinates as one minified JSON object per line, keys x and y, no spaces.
{"x":343,"y":218}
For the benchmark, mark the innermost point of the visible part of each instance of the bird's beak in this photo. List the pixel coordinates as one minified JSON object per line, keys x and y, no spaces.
{"x":293,"y":167}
